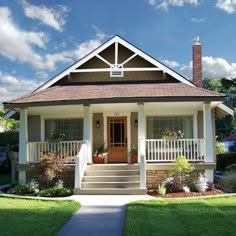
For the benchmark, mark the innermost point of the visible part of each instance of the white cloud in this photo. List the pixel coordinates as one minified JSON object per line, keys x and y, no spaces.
{"x":42,"y":75}
{"x":228,"y":6}
{"x":17,"y":44}
{"x":198,"y":20}
{"x":213,"y":68}
{"x":164,"y":4}
{"x":171,"y":64}
{"x":11,"y":36}
{"x":53,"y":17}
{"x":12,"y":87}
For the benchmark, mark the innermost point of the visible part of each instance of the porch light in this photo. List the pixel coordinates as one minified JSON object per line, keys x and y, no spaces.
{"x":136,"y":123}
{"x":98,"y":124}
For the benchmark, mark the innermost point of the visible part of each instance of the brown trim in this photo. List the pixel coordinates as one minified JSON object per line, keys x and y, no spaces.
{"x":111,"y":100}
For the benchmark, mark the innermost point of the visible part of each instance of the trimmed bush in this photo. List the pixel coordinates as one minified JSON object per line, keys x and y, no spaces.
{"x":229,"y":180}
{"x":174,"y":186}
{"x":224,"y":160}
{"x":55,"y":192}
{"x":9,"y":137}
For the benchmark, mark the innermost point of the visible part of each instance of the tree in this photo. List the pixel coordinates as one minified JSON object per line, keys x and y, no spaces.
{"x":10,"y":124}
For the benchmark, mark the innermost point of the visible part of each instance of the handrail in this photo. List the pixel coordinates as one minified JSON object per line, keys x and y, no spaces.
{"x":81,"y":164}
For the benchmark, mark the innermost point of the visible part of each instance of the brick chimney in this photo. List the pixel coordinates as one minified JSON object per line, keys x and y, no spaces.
{"x":197,"y":62}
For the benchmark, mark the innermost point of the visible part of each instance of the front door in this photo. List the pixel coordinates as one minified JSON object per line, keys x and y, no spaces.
{"x":117,"y":139}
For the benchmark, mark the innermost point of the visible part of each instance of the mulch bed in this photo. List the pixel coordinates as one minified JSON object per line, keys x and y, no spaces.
{"x":183,"y":194}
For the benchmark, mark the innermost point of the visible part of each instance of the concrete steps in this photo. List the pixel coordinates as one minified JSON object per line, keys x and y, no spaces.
{"x":111,"y":179}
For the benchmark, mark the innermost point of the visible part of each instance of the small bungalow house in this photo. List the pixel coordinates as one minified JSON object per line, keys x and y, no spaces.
{"x":122,"y":98}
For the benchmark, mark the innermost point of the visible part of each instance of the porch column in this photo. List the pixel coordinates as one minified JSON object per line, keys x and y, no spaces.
{"x":141,"y":131}
{"x":23,"y":152}
{"x":208,"y":136}
{"x":209,"y":152}
{"x":88,"y":130}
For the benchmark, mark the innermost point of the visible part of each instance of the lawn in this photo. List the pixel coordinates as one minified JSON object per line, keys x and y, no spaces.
{"x":5,"y":179}
{"x":34,"y":217}
{"x":205,"y":217}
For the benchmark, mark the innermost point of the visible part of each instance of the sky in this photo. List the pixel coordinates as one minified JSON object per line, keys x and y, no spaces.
{"x":40,"y":38}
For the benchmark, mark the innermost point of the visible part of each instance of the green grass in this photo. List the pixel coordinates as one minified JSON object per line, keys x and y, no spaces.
{"x":5,"y":179}
{"x":34,"y":217}
{"x":205,"y":217}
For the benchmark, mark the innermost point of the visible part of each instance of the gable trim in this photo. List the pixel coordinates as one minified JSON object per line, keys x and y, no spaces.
{"x":116,"y":39}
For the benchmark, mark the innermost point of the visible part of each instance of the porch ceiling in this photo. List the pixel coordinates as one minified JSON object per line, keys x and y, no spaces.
{"x":115,"y":93}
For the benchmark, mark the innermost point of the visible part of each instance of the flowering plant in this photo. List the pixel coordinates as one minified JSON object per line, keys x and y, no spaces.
{"x":170,"y":133}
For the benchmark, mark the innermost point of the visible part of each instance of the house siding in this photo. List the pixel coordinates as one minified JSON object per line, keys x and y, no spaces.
{"x":200,"y":124}
{"x":98,"y":133}
{"x":133,"y":129}
{"x":34,"y":128}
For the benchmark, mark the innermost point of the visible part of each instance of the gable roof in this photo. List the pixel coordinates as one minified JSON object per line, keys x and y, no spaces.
{"x":131,"y":47}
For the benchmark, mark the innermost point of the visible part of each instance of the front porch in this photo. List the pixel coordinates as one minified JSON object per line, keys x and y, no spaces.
{"x":120,"y":127}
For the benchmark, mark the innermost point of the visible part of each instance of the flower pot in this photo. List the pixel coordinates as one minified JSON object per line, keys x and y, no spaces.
{"x":134,"y":158}
{"x":98,"y":159}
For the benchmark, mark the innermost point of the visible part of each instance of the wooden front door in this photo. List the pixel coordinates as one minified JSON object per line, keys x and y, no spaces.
{"x":117,"y":139}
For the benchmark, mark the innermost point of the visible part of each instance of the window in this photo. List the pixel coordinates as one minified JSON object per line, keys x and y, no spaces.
{"x":156,"y":125}
{"x":66,"y":129}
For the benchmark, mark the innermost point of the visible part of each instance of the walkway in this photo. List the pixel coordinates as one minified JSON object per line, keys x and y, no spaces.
{"x":99,"y":215}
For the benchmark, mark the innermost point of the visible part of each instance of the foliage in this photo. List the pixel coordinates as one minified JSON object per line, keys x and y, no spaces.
{"x":55,"y":192}
{"x":220,"y":148}
{"x":22,"y":189}
{"x":226,"y":125}
{"x":229,"y":180}
{"x":182,"y":217}
{"x":134,"y":150}
{"x":22,"y":217}
{"x":49,"y":169}
{"x":161,"y":189}
{"x":224,"y":160}
{"x":174,"y":186}
{"x":9,"y":137}
{"x":10,"y":124}
{"x":101,"y":150}
{"x":201,"y":183}
{"x":186,"y":189}
{"x":170,"y":133}
{"x":182,"y":168}
{"x":211,"y":186}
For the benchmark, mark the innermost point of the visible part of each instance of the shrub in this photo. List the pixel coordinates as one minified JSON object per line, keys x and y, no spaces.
{"x":174,"y":186}
{"x":48,"y":170}
{"x":201,"y":184}
{"x":161,"y":189}
{"x":220,"y":148}
{"x":182,"y":168}
{"x":211,"y":186}
{"x":55,"y":192}
{"x":9,"y":137}
{"x":22,"y":189}
{"x":229,"y":180}
{"x":224,"y":160}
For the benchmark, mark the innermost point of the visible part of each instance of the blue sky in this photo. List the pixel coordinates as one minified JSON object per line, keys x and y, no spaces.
{"x":39,"y":38}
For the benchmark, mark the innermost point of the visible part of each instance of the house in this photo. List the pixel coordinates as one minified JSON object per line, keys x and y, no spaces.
{"x":119,"y":96}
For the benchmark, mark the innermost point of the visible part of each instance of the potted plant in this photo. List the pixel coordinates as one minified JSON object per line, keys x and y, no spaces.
{"x":100,"y":154}
{"x":169,"y":134}
{"x":134,"y":154}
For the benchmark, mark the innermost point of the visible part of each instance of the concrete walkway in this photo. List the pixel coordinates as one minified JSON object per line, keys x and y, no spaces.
{"x":99,"y":215}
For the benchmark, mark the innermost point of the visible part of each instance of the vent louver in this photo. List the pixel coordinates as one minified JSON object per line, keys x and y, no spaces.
{"x":116,"y":71}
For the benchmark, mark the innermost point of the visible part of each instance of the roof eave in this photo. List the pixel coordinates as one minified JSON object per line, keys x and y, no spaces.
{"x":112,"y":100}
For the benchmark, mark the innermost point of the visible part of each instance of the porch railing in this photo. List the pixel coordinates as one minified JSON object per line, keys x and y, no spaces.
{"x":160,"y":150}
{"x":81,"y":164}
{"x":65,"y":150}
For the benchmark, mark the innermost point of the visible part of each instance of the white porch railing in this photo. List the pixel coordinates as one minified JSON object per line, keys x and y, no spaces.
{"x":81,"y":164}
{"x":160,"y":150}
{"x":65,"y":150}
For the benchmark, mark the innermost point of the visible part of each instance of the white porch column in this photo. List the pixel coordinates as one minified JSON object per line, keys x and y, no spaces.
{"x":141,"y":131}
{"x":208,"y":135}
{"x":23,"y":139}
{"x":88,"y":130}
